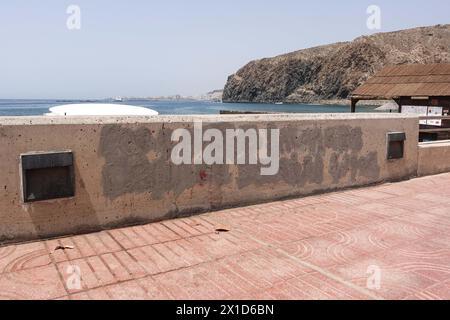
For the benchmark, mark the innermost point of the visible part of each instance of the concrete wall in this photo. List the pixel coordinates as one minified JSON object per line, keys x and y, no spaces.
{"x":434,"y":158}
{"x":124,"y":174}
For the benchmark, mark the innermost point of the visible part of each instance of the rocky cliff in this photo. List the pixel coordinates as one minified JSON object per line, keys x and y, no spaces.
{"x":333,"y":71}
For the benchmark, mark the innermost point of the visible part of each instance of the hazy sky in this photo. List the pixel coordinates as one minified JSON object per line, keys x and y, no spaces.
{"x":147,"y":48}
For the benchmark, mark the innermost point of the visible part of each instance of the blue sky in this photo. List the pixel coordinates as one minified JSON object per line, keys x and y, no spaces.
{"x":148,"y":48}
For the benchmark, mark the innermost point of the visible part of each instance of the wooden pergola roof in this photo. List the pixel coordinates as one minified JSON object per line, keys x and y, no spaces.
{"x":392,"y":82}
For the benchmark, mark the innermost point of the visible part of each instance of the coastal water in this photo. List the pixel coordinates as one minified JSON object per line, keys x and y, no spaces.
{"x":39,"y":107}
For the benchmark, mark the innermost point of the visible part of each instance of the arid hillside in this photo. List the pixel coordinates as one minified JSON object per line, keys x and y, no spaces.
{"x":332,"y":72}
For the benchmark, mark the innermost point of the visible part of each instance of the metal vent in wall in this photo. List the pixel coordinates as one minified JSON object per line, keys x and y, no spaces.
{"x":396,"y":145}
{"x":47,"y":176}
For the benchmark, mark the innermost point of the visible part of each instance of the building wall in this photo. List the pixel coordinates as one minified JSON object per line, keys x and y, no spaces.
{"x":124,"y":173}
{"x":443,"y":102}
{"x":434,"y":158}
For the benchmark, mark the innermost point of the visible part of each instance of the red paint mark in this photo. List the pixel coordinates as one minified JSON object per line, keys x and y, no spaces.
{"x":203,"y":175}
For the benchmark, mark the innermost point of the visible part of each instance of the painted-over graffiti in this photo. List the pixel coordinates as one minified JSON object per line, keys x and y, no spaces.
{"x":138,"y":160}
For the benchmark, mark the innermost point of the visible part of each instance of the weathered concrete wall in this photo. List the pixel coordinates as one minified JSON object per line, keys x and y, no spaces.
{"x":434,"y":158}
{"x":124,"y":174}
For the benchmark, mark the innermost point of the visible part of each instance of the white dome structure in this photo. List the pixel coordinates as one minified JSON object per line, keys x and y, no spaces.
{"x":100,"y":109}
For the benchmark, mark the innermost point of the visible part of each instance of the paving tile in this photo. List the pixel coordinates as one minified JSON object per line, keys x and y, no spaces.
{"x":438,"y":291}
{"x":120,"y":237}
{"x":183,"y":224}
{"x":23,"y":256}
{"x":200,"y":225}
{"x":322,"y":252}
{"x":386,"y":242}
{"x":443,"y":210}
{"x":99,"y":294}
{"x":85,"y":273}
{"x":427,"y":223}
{"x":133,"y":267}
{"x":394,"y":282}
{"x":396,"y":189}
{"x":144,"y":261}
{"x":161,"y":232}
{"x":117,"y":267}
{"x":370,"y":194}
{"x":153,"y":290}
{"x":432,"y":197}
{"x":129,"y":290}
{"x":262,"y":269}
{"x":191,"y":283}
{"x":399,"y":229}
{"x":32,"y":284}
{"x":175,"y":228}
{"x":366,"y":240}
{"x":136,"y":239}
{"x":83,"y":246}
{"x":422,"y":257}
{"x":287,"y":291}
{"x":146,"y":236}
{"x":80,"y":296}
{"x":315,"y":286}
{"x":410,"y":203}
{"x":383,"y":210}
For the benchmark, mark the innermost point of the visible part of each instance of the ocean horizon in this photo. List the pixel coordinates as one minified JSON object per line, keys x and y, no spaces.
{"x":37,"y":107}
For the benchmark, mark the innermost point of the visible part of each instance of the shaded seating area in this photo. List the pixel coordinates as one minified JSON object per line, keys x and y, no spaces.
{"x":416,"y":88}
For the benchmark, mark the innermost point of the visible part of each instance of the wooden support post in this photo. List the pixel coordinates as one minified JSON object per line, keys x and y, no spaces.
{"x":400,"y":106}
{"x":353,"y":107}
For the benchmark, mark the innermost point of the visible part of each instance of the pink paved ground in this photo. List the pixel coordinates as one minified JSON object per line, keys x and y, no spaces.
{"x":319,"y":247}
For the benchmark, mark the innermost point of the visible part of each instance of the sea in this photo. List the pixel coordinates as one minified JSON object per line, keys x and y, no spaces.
{"x":173,"y":107}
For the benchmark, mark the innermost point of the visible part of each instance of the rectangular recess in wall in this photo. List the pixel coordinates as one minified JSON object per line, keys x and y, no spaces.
{"x":396,"y":145}
{"x":47,"y":175}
